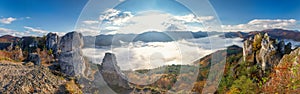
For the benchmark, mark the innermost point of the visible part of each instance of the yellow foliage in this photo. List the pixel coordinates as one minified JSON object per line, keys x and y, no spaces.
{"x":72,"y":87}
{"x":233,"y":90}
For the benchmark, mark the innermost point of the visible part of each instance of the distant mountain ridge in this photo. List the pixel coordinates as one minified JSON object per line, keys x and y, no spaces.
{"x":151,"y":36}
{"x":8,"y":38}
{"x":154,"y":36}
{"x":274,"y":33}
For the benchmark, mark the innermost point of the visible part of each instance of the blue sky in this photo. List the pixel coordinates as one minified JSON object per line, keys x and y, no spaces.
{"x":62,"y":15}
{"x":242,"y":11}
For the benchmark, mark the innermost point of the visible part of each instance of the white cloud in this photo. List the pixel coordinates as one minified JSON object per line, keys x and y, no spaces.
{"x":114,"y":21}
{"x":190,"y":18}
{"x":5,"y":31}
{"x":262,"y":24}
{"x":35,"y":30}
{"x":150,"y":20}
{"x":8,"y":20}
{"x":126,"y":22}
{"x":90,"y":22}
{"x":163,"y":22}
{"x":29,"y":32}
{"x":90,"y":31}
{"x":115,"y":17}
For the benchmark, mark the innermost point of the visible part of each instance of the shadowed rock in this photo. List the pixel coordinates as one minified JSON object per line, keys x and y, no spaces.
{"x":111,"y":72}
{"x":34,"y":58}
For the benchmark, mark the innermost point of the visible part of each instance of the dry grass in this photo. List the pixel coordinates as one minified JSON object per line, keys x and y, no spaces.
{"x":72,"y":88}
{"x":11,"y":56}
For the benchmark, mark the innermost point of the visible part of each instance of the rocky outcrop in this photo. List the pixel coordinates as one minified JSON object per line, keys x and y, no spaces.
{"x":264,"y":51}
{"x":34,"y":58}
{"x":28,"y":43}
{"x":70,"y":59}
{"x":111,"y":72}
{"x":52,"y":40}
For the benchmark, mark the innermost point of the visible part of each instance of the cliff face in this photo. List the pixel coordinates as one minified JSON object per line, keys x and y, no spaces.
{"x":70,"y":59}
{"x":264,"y":51}
{"x":52,"y":41}
{"x":111,"y":72}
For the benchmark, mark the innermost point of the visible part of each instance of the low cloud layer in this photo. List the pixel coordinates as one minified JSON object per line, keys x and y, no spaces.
{"x":140,"y":55}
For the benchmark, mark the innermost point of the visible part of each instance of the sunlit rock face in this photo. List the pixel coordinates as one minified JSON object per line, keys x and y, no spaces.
{"x":111,"y":72}
{"x":71,"y":60}
{"x":264,"y":51}
{"x":52,"y":41}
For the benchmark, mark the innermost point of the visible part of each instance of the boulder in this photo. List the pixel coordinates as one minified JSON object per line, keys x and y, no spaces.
{"x":29,"y":44}
{"x":34,"y":58}
{"x":70,"y":59}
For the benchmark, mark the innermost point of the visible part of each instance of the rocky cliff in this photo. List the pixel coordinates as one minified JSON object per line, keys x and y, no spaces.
{"x":264,"y":51}
{"x":70,"y":59}
{"x":52,"y":41}
{"x":111,"y":72}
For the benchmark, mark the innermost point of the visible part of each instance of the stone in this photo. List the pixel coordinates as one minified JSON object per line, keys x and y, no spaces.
{"x":23,"y":79}
{"x":111,"y":72}
{"x":34,"y":58}
{"x":52,"y":41}
{"x":71,"y":59}
{"x":264,"y":51}
{"x":71,"y":41}
{"x":72,"y":63}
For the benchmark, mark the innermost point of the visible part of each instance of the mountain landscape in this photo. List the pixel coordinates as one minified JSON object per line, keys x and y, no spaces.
{"x":266,"y":63}
{"x":149,"y":47}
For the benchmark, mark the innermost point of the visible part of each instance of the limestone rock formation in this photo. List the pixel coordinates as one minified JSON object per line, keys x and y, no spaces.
{"x":264,"y":51}
{"x":111,"y":72}
{"x":52,"y":40}
{"x":29,"y":44}
{"x":34,"y":58}
{"x":70,"y":59}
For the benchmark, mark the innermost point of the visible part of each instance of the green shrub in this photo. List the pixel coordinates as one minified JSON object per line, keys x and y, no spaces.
{"x":244,"y":85}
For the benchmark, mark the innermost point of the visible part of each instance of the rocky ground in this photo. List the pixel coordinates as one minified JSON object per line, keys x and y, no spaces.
{"x":22,"y":79}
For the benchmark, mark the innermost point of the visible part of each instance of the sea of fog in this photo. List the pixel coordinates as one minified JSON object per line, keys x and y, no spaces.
{"x":148,"y":55}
